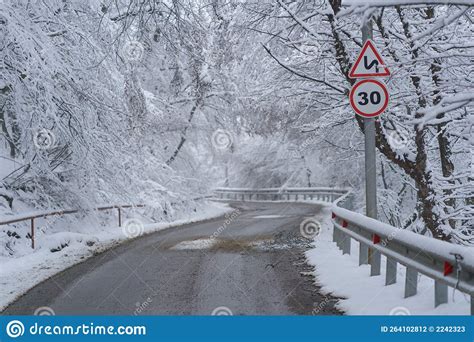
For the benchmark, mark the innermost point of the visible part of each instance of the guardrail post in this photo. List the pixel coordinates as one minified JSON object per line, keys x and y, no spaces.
{"x":363,"y":254}
{"x":411,"y":282}
{"x":120,"y":216}
{"x":375,"y":259}
{"x":33,"y":233}
{"x":350,"y":202}
{"x":391,"y":272}
{"x":441,"y":293}
{"x":340,"y":237}
{"x":337,"y":237}
{"x":346,"y":244}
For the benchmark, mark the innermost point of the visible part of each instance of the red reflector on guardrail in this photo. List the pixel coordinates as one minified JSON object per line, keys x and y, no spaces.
{"x":344,"y":224}
{"x":375,"y":239}
{"x":333,"y":216}
{"x":448,"y":268}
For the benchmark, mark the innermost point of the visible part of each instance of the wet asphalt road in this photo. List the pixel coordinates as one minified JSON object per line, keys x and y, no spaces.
{"x":248,"y":263}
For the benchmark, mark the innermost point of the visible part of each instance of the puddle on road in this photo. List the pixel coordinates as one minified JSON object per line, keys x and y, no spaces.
{"x":194,"y":244}
{"x":241,"y":245}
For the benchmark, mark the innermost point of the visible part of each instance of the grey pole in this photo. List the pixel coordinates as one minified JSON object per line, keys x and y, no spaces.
{"x":226,"y":184}
{"x":370,"y":173}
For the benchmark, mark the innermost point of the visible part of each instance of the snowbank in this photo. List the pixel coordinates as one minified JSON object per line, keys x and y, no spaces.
{"x":18,"y":275}
{"x":341,"y":276}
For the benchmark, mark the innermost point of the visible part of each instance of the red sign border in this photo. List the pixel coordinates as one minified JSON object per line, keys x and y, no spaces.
{"x":365,"y":115}
{"x":368,"y":44}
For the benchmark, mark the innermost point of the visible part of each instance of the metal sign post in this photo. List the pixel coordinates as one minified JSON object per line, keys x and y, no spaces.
{"x":369,"y":98}
{"x":370,"y":171}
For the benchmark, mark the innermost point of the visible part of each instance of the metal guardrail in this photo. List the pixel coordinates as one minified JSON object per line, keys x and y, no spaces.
{"x":44,"y":214}
{"x":279,"y":194}
{"x":446,"y":263}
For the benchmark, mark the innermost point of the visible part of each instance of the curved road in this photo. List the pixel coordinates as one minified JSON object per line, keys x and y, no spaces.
{"x":248,"y":263}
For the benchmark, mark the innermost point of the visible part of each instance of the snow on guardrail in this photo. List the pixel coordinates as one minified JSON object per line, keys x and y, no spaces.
{"x":448,"y":264}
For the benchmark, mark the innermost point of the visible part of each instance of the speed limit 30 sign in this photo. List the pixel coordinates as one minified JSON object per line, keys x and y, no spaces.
{"x":369,"y":98}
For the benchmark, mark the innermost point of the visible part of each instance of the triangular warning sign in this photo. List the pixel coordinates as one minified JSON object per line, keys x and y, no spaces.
{"x":369,"y":63}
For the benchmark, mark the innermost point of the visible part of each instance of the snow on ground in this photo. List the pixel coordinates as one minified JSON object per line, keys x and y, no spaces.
{"x":18,"y":275}
{"x":341,"y":276}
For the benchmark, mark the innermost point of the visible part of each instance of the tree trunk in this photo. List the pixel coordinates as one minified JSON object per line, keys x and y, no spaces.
{"x":447,"y":166}
{"x":11,"y":140}
{"x":183,"y":133}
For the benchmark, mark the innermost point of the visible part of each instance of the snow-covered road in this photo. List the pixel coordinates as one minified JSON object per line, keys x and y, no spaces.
{"x":249,"y":262}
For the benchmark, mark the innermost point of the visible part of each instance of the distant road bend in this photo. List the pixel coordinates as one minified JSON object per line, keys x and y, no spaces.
{"x":248,"y":263}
